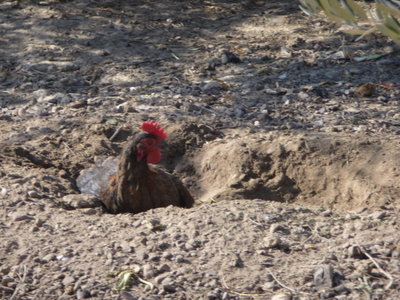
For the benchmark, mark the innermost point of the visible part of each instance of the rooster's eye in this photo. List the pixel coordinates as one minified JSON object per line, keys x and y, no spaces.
{"x":150,"y":142}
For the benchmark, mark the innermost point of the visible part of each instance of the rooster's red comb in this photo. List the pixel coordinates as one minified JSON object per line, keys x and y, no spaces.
{"x":153,"y":128}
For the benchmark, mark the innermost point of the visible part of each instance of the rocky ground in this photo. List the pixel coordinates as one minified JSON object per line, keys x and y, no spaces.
{"x":284,"y":129}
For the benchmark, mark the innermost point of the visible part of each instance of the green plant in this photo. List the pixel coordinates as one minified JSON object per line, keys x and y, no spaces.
{"x":382,"y":16}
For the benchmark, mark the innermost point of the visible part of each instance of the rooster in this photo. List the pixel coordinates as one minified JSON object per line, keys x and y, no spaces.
{"x":137,"y":186}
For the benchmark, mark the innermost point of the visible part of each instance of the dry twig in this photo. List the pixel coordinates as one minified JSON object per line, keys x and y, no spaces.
{"x":115,"y":133}
{"x":20,"y":283}
{"x":280,"y":283}
{"x":388,"y":275}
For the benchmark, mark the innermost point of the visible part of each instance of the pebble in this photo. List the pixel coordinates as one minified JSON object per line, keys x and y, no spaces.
{"x":324,"y":277}
{"x":127,"y":296}
{"x":34,"y":194}
{"x":281,"y":297}
{"x":90,"y":211}
{"x":355,"y":252}
{"x":148,"y":271}
{"x":49,"y":257}
{"x":278,"y":227}
{"x":20,"y":216}
{"x":57,"y":98}
{"x":211,"y":86}
{"x":229,"y":57}
{"x":3,"y":192}
{"x":169,"y":288}
{"x":268,"y":286}
{"x":68,"y":280}
{"x":83,"y":294}
{"x":378,"y":215}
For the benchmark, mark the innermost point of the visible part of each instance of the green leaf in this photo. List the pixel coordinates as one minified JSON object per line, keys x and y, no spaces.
{"x":370,"y":57}
{"x":388,"y":10}
{"x":355,"y":9}
{"x":125,"y":279}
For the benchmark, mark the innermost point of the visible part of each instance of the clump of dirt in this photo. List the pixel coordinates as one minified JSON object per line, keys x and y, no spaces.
{"x":183,"y":138}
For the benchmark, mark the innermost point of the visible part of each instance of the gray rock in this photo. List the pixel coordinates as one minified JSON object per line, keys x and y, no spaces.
{"x":281,"y":297}
{"x":378,"y":215}
{"x":169,"y":288}
{"x":324,"y":277}
{"x":57,"y":98}
{"x":83,"y":294}
{"x":149,"y":271}
{"x":356,"y":252}
{"x":34,"y":194}
{"x":48,"y":257}
{"x":127,"y":296}
{"x":68,"y":280}
{"x":268,"y":286}
{"x":212,"y":86}
{"x":20,"y":216}
{"x":126,"y":247}
{"x":89,"y":211}
{"x":278,"y":228}
{"x":40,"y":94}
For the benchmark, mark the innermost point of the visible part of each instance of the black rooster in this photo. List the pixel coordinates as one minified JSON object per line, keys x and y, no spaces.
{"x":137,"y":186}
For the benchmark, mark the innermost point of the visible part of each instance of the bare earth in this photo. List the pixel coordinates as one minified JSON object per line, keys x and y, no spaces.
{"x":289,"y":143}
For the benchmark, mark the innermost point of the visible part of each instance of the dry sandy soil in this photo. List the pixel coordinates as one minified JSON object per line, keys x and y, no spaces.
{"x":287,"y":138}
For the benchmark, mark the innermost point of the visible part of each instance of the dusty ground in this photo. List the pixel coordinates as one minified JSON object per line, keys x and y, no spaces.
{"x":289,"y":144}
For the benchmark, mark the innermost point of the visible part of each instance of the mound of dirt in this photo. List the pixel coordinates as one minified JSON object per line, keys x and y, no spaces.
{"x":330,"y":170}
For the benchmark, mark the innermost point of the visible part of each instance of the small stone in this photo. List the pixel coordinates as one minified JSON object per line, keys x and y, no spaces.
{"x":273,"y":242}
{"x":164,"y":268}
{"x":34,"y":194}
{"x":281,"y":297}
{"x":126,"y":247}
{"x":326,"y":213}
{"x":89,"y":211}
{"x":69,"y":290}
{"x":48,"y":257}
{"x":190,"y":107}
{"x":278,"y":227}
{"x":127,"y":296}
{"x":57,"y":98}
{"x":169,"y":288}
{"x":149,"y":271}
{"x":3,"y":192}
{"x":378,"y":215}
{"x":6,"y":280}
{"x":83,"y":294}
{"x":142,"y":254}
{"x":229,"y":57}
{"x":356,"y":252}
{"x":20,"y":216}
{"x":79,"y":104}
{"x":323,"y":276}
{"x":268,"y":286}
{"x":68,"y":280}
{"x":212,"y":86}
